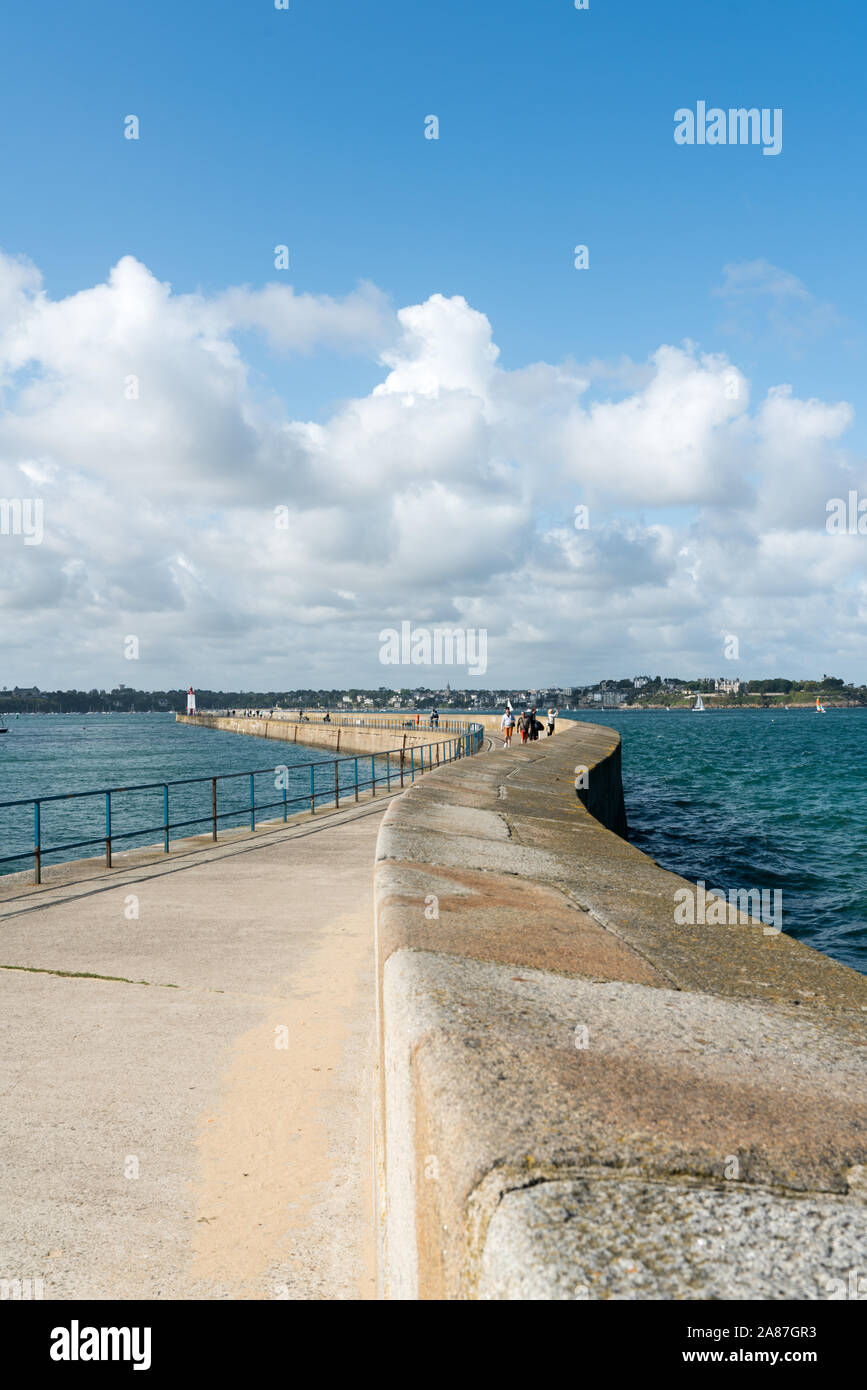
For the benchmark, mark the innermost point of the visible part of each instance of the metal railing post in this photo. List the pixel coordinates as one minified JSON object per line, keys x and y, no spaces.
{"x":356,"y":779}
{"x":312,"y":789}
{"x":336,"y":787}
{"x":402,"y":760}
{"x":108,"y":830}
{"x":412,"y":764}
{"x":166,"y":819}
{"x":372,"y":775}
{"x":388,"y":772}
{"x":214,"y":807}
{"x":285,"y":802}
{"x":37,"y":844}
{"x":252,"y":803}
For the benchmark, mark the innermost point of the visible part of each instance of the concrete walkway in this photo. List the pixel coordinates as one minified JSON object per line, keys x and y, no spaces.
{"x":186,"y":1074}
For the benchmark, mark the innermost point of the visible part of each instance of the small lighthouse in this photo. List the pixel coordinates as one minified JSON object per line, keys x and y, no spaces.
{"x":191,"y":701}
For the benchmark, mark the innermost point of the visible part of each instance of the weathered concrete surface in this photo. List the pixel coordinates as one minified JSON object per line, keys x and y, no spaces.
{"x":549,"y":1035}
{"x":639,"y":1240}
{"x":149,"y":1045}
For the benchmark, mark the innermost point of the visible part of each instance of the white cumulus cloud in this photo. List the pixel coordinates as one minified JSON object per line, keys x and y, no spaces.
{"x":447,"y":494}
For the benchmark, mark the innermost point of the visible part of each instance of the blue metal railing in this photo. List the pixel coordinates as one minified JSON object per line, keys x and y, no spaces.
{"x":349,"y":778}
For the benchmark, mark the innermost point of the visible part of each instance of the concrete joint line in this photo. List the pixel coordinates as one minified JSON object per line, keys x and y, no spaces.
{"x":87,"y":975}
{"x":607,"y":924}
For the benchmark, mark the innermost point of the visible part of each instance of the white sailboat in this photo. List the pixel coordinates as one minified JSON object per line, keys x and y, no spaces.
{"x":699,"y":703}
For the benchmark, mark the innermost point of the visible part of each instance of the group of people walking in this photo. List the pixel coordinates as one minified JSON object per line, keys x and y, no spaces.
{"x":528,"y":726}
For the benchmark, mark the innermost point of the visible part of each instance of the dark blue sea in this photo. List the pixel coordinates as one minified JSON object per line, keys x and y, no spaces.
{"x":757,"y":799}
{"x":741,"y":799}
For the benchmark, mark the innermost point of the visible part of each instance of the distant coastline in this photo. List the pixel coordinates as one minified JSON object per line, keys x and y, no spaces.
{"x":753,"y":705}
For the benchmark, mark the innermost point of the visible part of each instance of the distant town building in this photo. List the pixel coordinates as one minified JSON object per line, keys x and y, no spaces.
{"x":726,"y":686}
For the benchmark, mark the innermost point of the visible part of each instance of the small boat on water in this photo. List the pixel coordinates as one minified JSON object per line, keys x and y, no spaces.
{"x":820,"y":708}
{"x":699,"y":703}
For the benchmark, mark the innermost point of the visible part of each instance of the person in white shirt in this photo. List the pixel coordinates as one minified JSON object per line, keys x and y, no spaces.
{"x":552,"y":715}
{"x":507,"y":724}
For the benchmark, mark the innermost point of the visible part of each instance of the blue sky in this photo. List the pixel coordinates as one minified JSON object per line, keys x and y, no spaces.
{"x":305,"y":127}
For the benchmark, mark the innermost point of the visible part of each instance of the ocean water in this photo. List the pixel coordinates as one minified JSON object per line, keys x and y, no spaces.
{"x":772,"y":799}
{"x":767,"y":799}
{"x":43,"y":755}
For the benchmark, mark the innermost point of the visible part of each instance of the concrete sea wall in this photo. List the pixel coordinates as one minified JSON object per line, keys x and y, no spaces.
{"x":579,"y":1098}
{"x":342,"y":739}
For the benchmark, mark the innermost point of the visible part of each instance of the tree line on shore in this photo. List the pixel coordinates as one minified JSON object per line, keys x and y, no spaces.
{"x":654,"y":690}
